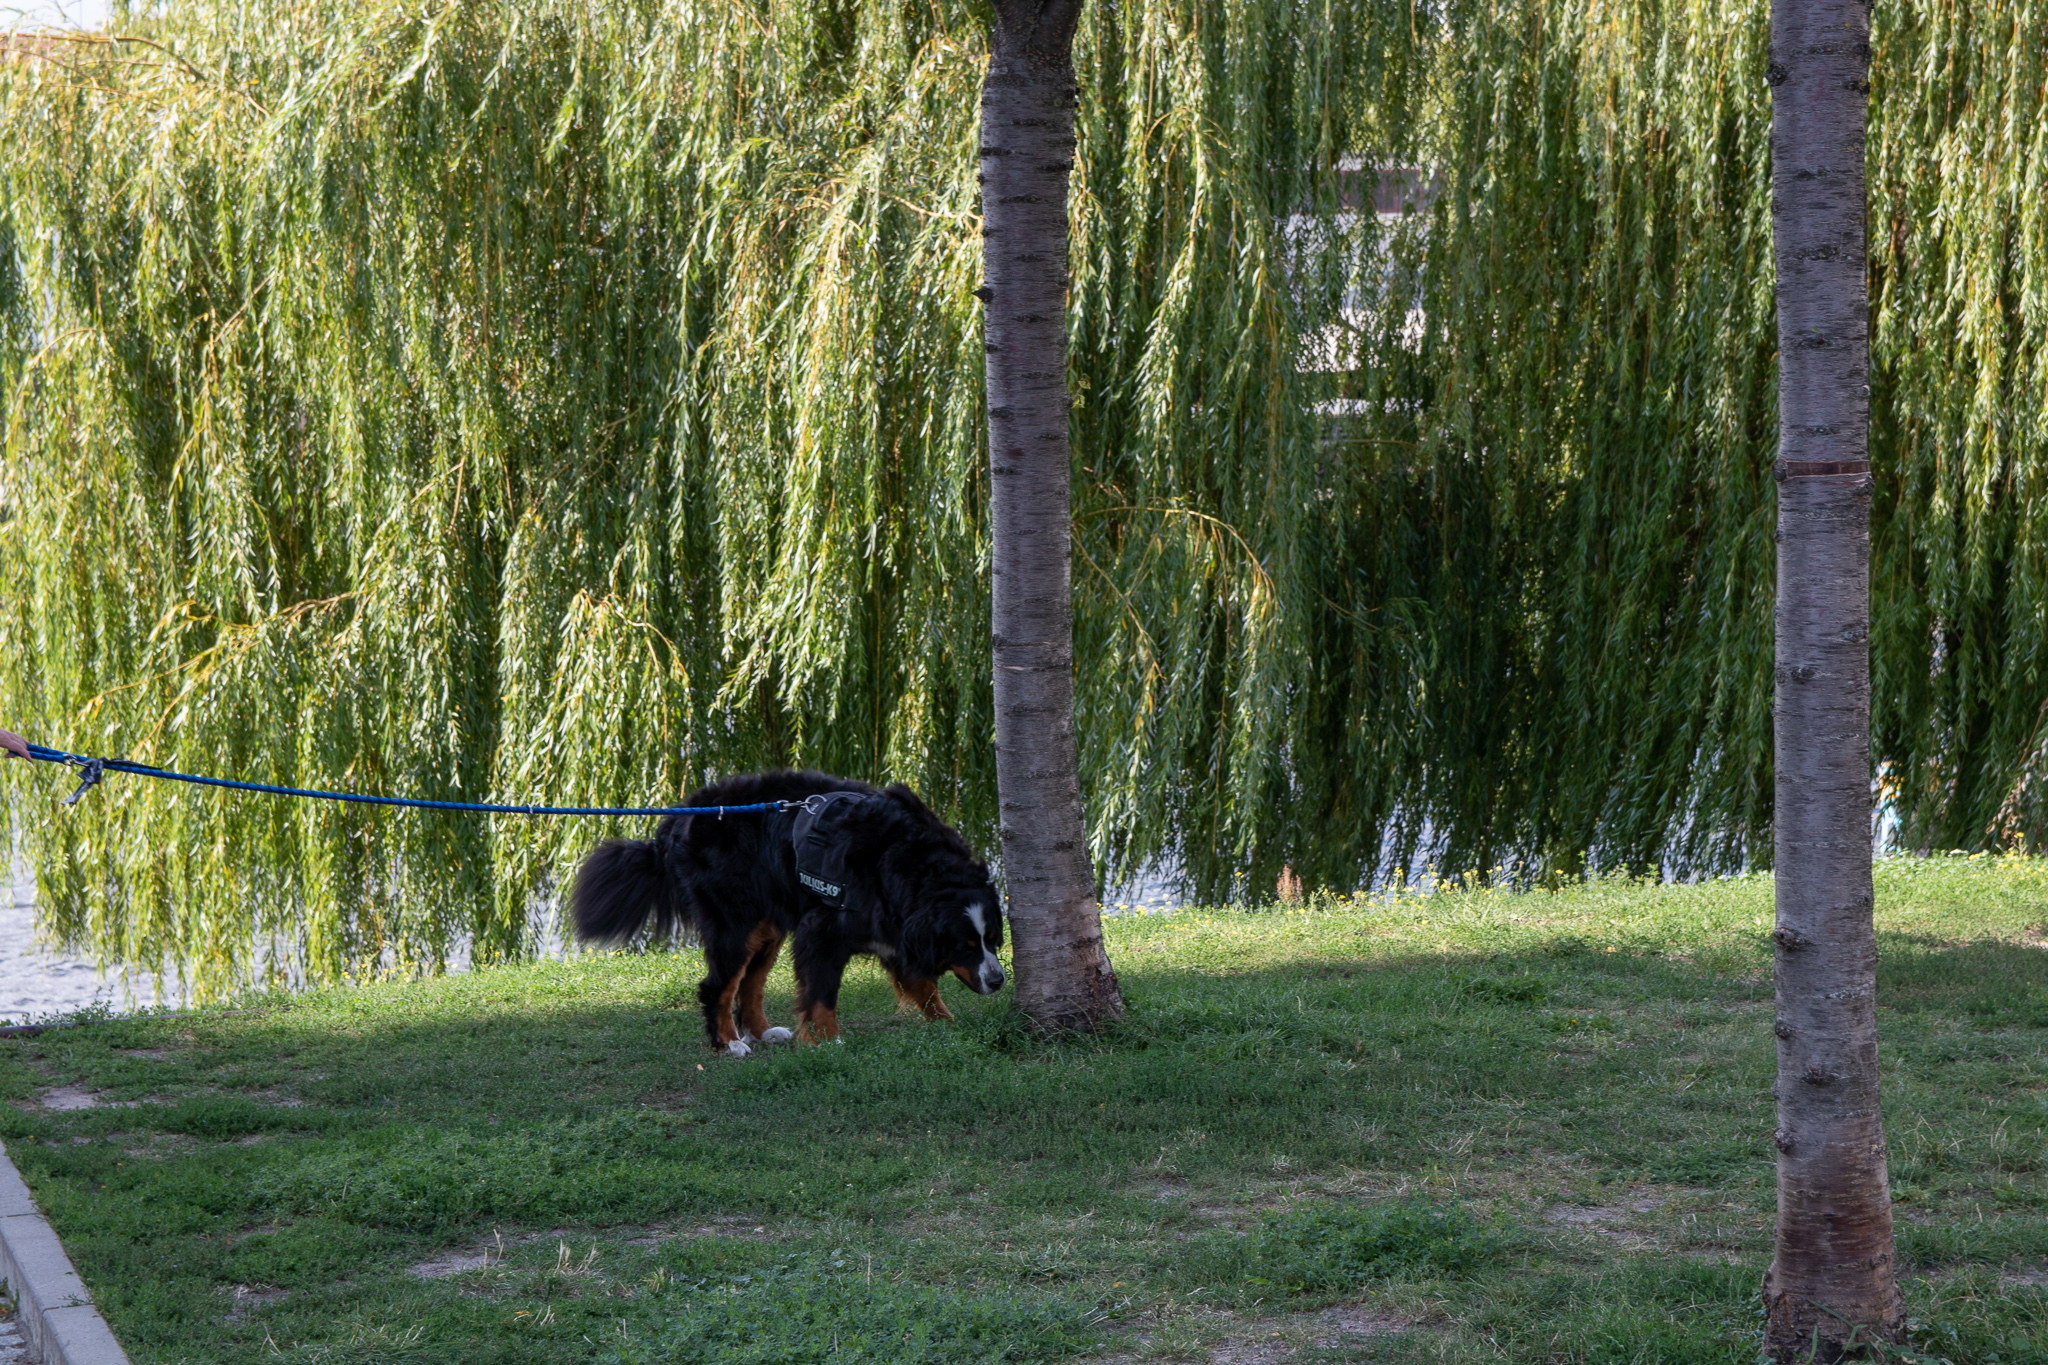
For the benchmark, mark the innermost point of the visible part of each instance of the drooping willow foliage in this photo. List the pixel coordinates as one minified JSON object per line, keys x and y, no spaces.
{"x":568,"y":401}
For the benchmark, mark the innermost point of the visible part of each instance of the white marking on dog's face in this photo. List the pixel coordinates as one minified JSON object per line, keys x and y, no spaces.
{"x":736,"y":1048}
{"x":989,"y":977}
{"x":777,"y":1035}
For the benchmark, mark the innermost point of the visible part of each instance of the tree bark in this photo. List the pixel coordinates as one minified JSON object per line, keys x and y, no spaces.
{"x":1064,"y":980}
{"x":1831,"y":1286}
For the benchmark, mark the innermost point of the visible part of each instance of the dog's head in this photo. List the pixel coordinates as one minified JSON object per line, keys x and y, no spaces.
{"x":958,"y":930}
{"x":952,"y":918}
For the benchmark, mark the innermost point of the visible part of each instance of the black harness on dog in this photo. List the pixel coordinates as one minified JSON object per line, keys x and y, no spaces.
{"x":821,"y":838}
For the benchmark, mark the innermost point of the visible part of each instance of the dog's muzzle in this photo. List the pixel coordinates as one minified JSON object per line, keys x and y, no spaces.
{"x":989,"y":979}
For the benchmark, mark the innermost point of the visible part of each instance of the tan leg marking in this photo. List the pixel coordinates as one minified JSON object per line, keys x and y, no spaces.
{"x":919,"y":995}
{"x":727,"y":1032}
{"x":925,"y":995}
{"x":820,"y":1025}
{"x":766,"y":945}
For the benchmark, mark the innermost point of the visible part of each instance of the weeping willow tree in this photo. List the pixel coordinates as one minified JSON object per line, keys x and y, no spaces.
{"x":585,"y":399}
{"x":567,"y":402}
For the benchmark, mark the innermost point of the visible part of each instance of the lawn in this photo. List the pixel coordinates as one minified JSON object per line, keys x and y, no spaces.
{"x":1463,"y":1127}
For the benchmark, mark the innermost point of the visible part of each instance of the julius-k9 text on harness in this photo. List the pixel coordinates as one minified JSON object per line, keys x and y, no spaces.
{"x":820,"y":838}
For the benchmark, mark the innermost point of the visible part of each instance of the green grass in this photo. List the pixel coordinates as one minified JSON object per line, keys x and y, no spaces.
{"x":1472,"y":1127}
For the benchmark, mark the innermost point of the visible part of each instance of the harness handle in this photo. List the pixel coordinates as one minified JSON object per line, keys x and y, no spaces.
{"x":89,"y":773}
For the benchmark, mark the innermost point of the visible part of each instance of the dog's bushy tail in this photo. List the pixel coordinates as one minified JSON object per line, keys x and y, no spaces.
{"x":621,"y":884}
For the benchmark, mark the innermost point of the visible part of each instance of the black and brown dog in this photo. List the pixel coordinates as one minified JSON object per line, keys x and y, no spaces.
{"x":856,"y":869}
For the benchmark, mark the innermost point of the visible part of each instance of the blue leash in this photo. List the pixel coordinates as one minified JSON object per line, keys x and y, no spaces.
{"x":90,"y":770}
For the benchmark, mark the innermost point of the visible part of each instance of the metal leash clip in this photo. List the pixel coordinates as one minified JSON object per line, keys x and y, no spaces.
{"x":89,"y":773}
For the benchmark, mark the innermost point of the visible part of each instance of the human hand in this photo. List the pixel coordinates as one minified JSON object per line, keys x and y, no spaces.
{"x":14,"y":744}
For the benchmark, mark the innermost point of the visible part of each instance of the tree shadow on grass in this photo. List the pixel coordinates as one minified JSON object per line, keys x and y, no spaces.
{"x":1986,"y":982}
{"x":1632,"y":1065}
{"x":582,"y":1095}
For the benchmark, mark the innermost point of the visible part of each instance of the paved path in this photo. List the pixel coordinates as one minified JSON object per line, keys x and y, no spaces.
{"x":12,"y":1351}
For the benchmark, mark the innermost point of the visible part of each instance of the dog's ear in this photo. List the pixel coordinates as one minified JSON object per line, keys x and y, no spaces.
{"x":919,"y":944}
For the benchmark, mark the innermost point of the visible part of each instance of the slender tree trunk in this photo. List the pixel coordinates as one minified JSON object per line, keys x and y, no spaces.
{"x":1064,"y":980}
{"x":1831,"y":1284}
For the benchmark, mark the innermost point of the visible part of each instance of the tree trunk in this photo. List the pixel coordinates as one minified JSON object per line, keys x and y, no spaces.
{"x":1064,"y":980}
{"x":1831,"y":1285}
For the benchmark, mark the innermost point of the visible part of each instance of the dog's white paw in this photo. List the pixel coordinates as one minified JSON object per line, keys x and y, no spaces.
{"x":777,"y":1035}
{"x":736,"y":1048}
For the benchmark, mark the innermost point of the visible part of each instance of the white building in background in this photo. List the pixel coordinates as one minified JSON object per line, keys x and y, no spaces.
{"x":1390,"y":196}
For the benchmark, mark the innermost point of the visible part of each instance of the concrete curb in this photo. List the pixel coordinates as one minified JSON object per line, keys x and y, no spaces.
{"x":57,"y":1316}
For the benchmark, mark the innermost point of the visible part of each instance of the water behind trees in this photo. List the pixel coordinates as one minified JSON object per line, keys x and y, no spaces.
{"x":35,"y":982}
